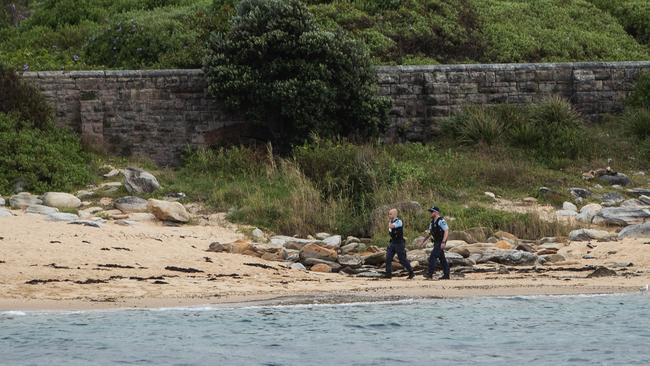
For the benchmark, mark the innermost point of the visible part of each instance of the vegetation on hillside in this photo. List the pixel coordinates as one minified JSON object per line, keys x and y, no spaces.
{"x":95,"y":34}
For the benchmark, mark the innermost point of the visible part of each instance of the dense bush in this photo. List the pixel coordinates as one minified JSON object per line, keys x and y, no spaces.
{"x":280,"y":68}
{"x":633,"y":15}
{"x":22,"y":100}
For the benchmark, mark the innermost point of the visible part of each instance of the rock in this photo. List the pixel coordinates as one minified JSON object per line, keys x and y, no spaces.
{"x":293,"y":255}
{"x":622,"y":216}
{"x":2,"y":201}
{"x":546,"y":252}
{"x":370,"y":274}
{"x":551,"y":258}
{"x":568,"y":206}
{"x":602,"y":272}
{"x":375,"y":259}
{"x":61,"y":200}
{"x":502,"y":235}
{"x":5,"y":213}
{"x":553,"y":246}
{"x":257,"y":234}
{"x":41,"y":210}
{"x":613,"y":197}
{"x":236,"y":247}
{"x":278,"y":255}
{"x":84,"y":194}
{"x":168,"y":211}
{"x":461,"y":235}
{"x":529,"y":201}
{"x":298,"y":267}
{"x":507,"y":257}
{"x":635,"y":231}
{"x":321,"y":236}
{"x":591,"y":234}
{"x":455,"y":259}
{"x":138,"y":181}
{"x":313,"y":250}
{"x":23,"y":199}
{"x":491,"y":195}
{"x":112,"y":173}
{"x":354,"y":261}
{"x":333,"y":266}
{"x":142,"y":217}
{"x":290,"y":242}
{"x":131,"y":204}
{"x":639,"y":191}
{"x":566,"y":213}
{"x":333,"y":241}
{"x":525,"y":247}
{"x":352,"y":239}
{"x":502,"y":244}
{"x":61,"y":216}
{"x":587,"y":212}
{"x":106,"y":201}
{"x":618,"y":178}
{"x":353,"y":248}
{"x":125,"y":222}
{"x":580,"y":192}
{"x":643,"y":198}
{"x":454,"y":243}
{"x":463,"y":251}
{"x":633,"y":203}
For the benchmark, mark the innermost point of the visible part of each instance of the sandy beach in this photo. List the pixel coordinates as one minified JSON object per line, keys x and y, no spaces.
{"x":48,"y":265}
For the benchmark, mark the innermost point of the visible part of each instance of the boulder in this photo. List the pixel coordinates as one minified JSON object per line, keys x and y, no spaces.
{"x":580,"y":192}
{"x":546,"y":252}
{"x":131,"y":204}
{"x":24,"y":199}
{"x":455,"y":259}
{"x":168,"y":211}
{"x":278,"y":255}
{"x":142,"y":217}
{"x":502,"y":235}
{"x":565,"y":213}
{"x":298,"y":267}
{"x":615,"y":179}
{"x":461,"y":235}
{"x":352,"y":239}
{"x":639,"y":191}
{"x":353,"y":248}
{"x":602,"y":272}
{"x":354,"y":261}
{"x":370,"y":274}
{"x":61,"y":200}
{"x":635,"y":231}
{"x":61,"y":216}
{"x":257,"y":234}
{"x":138,"y":181}
{"x":591,"y":234}
{"x":568,"y":206}
{"x":554,"y":246}
{"x":5,"y":213}
{"x":526,"y":248}
{"x":587,"y":212}
{"x":321,"y":267}
{"x":550,"y":258}
{"x":236,"y":247}
{"x":375,"y":259}
{"x":613,"y":197}
{"x":454,"y":243}
{"x":507,"y":257}
{"x":643,"y":198}
{"x":41,"y":210}
{"x":333,"y":241}
{"x":633,"y":203}
{"x":463,"y":251}
{"x":622,"y":216}
{"x":2,"y":201}
{"x":321,"y":236}
{"x":334,"y":267}
{"x":502,"y":244}
{"x":313,"y":250}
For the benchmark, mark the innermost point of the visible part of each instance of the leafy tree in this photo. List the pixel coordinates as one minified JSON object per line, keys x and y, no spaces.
{"x":280,"y":68}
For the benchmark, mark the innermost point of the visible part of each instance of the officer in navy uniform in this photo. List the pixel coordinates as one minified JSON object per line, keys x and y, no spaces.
{"x":438,"y":231}
{"x":397,"y":245}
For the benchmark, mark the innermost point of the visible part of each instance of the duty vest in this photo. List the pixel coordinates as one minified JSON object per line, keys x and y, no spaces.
{"x":396,"y":234}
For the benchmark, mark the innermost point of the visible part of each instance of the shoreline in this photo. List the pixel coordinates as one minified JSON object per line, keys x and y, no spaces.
{"x":313,"y":298}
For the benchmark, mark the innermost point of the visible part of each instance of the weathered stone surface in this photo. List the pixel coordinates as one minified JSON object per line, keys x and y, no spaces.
{"x":375,"y":259}
{"x":587,"y":212}
{"x":461,"y":235}
{"x":633,"y":203}
{"x":142,"y":217}
{"x":317,"y":251}
{"x":334,"y":266}
{"x":61,"y":200}
{"x":590,"y":234}
{"x":580,"y":192}
{"x":551,"y":258}
{"x":525,"y":248}
{"x":5,"y":213}
{"x":2,"y":201}
{"x":41,"y":209}
{"x":502,"y":244}
{"x":463,"y":251}
{"x":622,"y":216}
{"x":565,"y":213}
{"x":61,"y":216}
{"x":168,"y":211}
{"x":353,"y":261}
{"x":24,"y":199}
{"x":321,"y":267}
{"x":617,"y":179}
{"x":639,"y":191}
{"x":644,"y":199}
{"x":353,"y":248}
{"x":298,"y":267}
{"x":257,"y":234}
{"x":138,"y":181}
{"x":321,"y":236}
{"x":568,"y":206}
{"x":635,"y":231}
{"x":602,"y":272}
{"x":508,"y":257}
{"x":130,"y":204}
{"x":236,"y":247}
{"x":613,"y":197}
{"x":333,"y":241}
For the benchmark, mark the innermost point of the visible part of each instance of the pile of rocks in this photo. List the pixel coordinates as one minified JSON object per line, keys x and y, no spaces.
{"x":354,"y":256}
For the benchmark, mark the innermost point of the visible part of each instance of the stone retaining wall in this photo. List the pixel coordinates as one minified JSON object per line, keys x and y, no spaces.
{"x":158,"y":113}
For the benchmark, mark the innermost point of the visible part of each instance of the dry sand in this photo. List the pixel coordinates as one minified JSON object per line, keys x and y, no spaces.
{"x":55,"y":265}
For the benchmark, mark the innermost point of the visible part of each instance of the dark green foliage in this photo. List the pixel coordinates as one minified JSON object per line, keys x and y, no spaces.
{"x":640,"y":96}
{"x":633,"y":15}
{"x":636,"y":121}
{"x":276,"y":64}
{"x":23,"y":100}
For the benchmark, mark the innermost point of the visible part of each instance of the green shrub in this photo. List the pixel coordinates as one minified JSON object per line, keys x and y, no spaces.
{"x":640,"y":96}
{"x":42,"y":159}
{"x":476,"y":125}
{"x":23,"y":100}
{"x":279,"y":67}
{"x":633,"y":15}
{"x":636,"y":122}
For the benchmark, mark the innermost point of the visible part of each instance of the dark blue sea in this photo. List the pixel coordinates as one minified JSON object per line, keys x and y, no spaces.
{"x":537,"y":330}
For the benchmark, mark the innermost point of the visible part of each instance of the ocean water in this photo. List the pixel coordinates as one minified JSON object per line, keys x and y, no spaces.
{"x":538,"y":330}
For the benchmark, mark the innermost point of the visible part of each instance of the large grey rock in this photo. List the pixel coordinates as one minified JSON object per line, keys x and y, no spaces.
{"x":568,"y":206}
{"x":616,"y":179}
{"x":580,"y":192}
{"x":602,"y":272}
{"x":370,"y":274}
{"x":298,"y":267}
{"x":644,"y":199}
{"x":5,"y":212}
{"x":621,"y":216}
{"x":321,"y":236}
{"x":353,"y":261}
{"x":257,"y":234}
{"x":508,"y":257}
{"x":550,"y":258}
{"x":587,"y":212}
{"x":333,"y":241}
{"x":353,"y":248}
{"x":591,"y":234}
{"x":61,"y":200}
{"x":633,"y":203}
{"x":138,"y":181}
{"x":168,"y":211}
{"x":24,"y":199}
{"x":613,"y":197}
{"x":62,"y":216}
{"x":290,"y":242}
{"x":635,"y":231}
{"x":565,"y":213}
{"x":2,"y":201}
{"x":131,"y":204}
{"x":639,"y":191}
{"x":41,"y":210}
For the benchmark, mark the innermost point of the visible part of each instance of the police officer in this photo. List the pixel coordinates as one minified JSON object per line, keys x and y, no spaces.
{"x":438,"y":231}
{"x":397,"y":245}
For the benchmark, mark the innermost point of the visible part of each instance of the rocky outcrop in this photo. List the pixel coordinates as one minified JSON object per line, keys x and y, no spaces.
{"x":24,"y":199}
{"x":131,"y":204}
{"x":138,"y":181}
{"x":168,"y":211}
{"x":591,"y":234}
{"x":635,"y":231}
{"x":622,"y":216}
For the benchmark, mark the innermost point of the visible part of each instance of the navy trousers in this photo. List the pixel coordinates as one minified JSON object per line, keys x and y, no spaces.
{"x":437,"y":254}
{"x":399,"y":249}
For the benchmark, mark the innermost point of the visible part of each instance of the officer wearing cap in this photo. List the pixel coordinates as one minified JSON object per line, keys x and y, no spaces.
{"x":397,"y":245}
{"x":438,"y":232}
